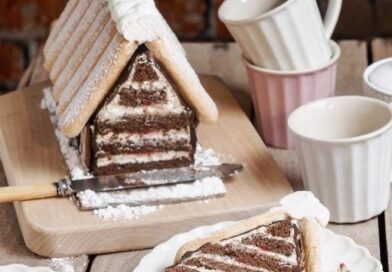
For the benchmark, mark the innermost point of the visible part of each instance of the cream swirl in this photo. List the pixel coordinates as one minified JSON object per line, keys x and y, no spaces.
{"x":136,"y":20}
{"x":304,"y":204}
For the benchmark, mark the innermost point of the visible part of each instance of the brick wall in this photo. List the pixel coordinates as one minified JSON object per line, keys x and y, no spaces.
{"x":24,"y":26}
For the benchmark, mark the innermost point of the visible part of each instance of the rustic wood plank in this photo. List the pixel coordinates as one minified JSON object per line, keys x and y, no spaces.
{"x":352,"y":63}
{"x":288,"y":162}
{"x":207,"y":58}
{"x":382,"y":48}
{"x":12,"y":247}
{"x":388,"y":226}
{"x":39,"y":74}
{"x":120,"y":262}
{"x":25,"y":79}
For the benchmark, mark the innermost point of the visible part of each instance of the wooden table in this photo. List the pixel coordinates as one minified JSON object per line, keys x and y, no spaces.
{"x":223,"y":60}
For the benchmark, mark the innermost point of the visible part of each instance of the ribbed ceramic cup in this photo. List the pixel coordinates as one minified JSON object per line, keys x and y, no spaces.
{"x":344,"y":147}
{"x":281,"y":35}
{"x":276,"y":94}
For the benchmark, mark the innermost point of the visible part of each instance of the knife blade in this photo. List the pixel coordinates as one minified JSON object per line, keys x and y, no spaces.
{"x":145,"y":179}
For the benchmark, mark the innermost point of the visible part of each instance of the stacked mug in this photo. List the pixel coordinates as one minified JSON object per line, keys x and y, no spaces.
{"x":288,"y":54}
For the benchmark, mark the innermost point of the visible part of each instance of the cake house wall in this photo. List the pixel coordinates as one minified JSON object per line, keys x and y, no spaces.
{"x":142,"y":124}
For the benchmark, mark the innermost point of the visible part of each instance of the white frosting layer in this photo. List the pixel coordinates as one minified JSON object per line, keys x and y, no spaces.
{"x":223,"y":259}
{"x":141,"y":158}
{"x":381,"y":77}
{"x":304,"y":204}
{"x":171,"y":135}
{"x":202,"y":269}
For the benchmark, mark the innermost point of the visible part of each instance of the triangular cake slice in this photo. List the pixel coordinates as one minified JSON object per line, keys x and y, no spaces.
{"x":274,"y":241}
{"x":143,"y":123}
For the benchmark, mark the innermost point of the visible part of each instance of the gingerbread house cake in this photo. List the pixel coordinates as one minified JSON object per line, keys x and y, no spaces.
{"x":123,"y":86}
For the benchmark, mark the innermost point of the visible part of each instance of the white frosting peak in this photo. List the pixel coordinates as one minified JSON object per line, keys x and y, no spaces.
{"x":136,"y":20}
{"x":304,"y":204}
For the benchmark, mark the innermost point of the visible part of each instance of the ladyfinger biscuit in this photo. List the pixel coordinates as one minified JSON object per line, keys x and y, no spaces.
{"x":59,"y":24}
{"x":81,"y":52}
{"x":311,"y":233}
{"x":74,"y":42}
{"x":84,"y":70}
{"x":97,"y":85}
{"x":58,"y":43}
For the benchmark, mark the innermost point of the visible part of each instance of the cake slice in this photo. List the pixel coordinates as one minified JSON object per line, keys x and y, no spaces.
{"x":275,"y":241}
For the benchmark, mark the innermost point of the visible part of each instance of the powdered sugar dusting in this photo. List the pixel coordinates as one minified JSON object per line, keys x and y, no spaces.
{"x":62,"y":264}
{"x":200,"y":189}
{"x":125,"y":212}
{"x":69,"y":8}
{"x":77,"y":36}
{"x":87,"y":65}
{"x":68,"y":146}
{"x":206,"y":157}
{"x":205,"y":189}
{"x":67,"y":31}
{"x":81,"y":52}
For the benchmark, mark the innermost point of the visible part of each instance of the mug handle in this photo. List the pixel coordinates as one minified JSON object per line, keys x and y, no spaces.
{"x":332,"y":16}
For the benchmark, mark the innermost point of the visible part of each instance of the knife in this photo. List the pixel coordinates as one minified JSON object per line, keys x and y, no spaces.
{"x":142,"y":179}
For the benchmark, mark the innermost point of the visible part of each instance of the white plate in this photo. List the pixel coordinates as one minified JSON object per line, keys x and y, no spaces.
{"x":337,"y":249}
{"x":23,"y":268}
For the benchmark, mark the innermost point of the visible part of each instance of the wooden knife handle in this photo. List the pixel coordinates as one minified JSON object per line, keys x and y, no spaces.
{"x":30,"y":192}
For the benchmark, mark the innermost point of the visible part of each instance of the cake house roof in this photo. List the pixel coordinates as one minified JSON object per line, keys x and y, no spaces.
{"x":93,"y":41}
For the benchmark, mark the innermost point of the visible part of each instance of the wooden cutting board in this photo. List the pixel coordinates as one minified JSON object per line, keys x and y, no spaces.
{"x":55,"y":227}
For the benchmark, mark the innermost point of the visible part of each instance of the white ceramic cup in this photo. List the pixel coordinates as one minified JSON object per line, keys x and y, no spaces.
{"x":372,"y":74}
{"x":344,"y":148}
{"x":281,"y":35}
{"x":375,"y":89}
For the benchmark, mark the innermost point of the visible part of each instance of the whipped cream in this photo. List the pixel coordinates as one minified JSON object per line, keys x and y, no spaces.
{"x":381,"y":76}
{"x":304,"y":204}
{"x":136,"y":20}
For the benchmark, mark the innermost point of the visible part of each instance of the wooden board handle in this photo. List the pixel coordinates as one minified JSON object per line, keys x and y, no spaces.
{"x":30,"y":192}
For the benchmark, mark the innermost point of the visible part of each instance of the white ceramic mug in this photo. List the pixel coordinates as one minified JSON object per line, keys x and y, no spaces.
{"x":344,"y":148}
{"x":281,"y":35}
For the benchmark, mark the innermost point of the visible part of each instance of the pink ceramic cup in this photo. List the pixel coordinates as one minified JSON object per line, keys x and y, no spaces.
{"x":276,"y":94}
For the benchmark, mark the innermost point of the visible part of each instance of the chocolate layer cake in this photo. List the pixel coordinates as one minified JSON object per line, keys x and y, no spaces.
{"x":143,"y":123}
{"x":276,"y":247}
